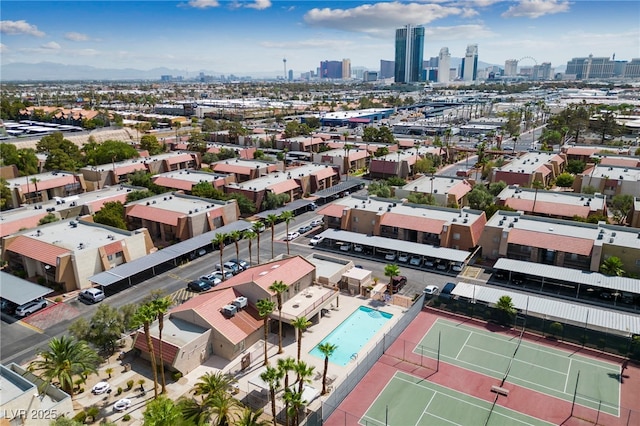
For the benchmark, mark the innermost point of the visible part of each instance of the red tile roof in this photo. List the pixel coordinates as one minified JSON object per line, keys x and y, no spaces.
{"x":168,"y":182}
{"x":548,"y":208}
{"x":209,"y":307}
{"x":36,"y":249}
{"x":415,"y":223}
{"x":461,"y":189}
{"x":8,"y":228}
{"x":48,"y":184}
{"x":182,"y":158}
{"x":130,"y":168}
{"x":97,"y":204}
{"x":155,"y":214}
{"x":333,"y":210}
{"x":582,"y":151}
{"x":232,"y":168}
{"x":169,"y":350}
{"x":620,"y":162}
{"x":563,"y":243}
{"x":281,"y":187}
{"x":324,"y":173}
{"x":113,"y":248}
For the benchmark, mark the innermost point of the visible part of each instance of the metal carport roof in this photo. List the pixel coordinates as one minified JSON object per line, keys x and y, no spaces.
{"x":126,"y":270}
{"x":398,"y":245}
{"x":20,"y":291}
{"x":596,"y":279}
{"x":294,"y":205}
{"x":553,"y":309}
{"x":342,"y":186}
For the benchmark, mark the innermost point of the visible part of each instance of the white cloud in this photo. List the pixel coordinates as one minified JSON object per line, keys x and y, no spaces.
{"x":536,"y":8}
{"x":259,"y":4}
{"x":3,"y":48}
{"x":307,"y":44}
{"x":457,"y":32}
{"x":52,"y":45}
{"x":19,"y":27}
{"x":73,"y":36}
{"x":374,"y":18}
{"x":203,"y":4}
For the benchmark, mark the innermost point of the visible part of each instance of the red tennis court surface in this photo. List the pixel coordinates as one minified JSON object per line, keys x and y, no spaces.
{"x":400,"y":357}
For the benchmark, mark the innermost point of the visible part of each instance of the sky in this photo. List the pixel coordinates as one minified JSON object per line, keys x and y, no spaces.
{"x":248,"y":37}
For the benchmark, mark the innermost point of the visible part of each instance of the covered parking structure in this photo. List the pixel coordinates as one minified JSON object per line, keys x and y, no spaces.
{"x":20,"y":291}
{"x":573,"y":283}
{"x":161,"y":261}
{"x":381,"y":246}
{"x":339,"y":190}
{"x":296,"y":206}
{"x":550,"y":310}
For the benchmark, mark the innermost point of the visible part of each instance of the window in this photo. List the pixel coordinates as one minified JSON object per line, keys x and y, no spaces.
{"x":355,"y":219}
{"x":110,"y":257}
{"x":496,"y":239}
{"x":119,"y":254}
{"x":456,"y":235}
{"x":494,"y":253}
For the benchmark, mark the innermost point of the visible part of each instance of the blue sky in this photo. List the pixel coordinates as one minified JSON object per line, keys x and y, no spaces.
{"x":253,"y":36}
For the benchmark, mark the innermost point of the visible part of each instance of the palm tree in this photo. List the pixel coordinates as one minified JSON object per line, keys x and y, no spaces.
{"x":327,"y":349}
{"x":285,"y":365}
{"x":235,"y":236}
{"x":293,"y":405}
{"x":347,"y":164}
{"x":504,"y":305}
{"x":35,"y":182}
{"x":536,"y":184}
{"x":265,"y":308}
{"x":162,"y":412}
{"x":612,"y":266}
{"x":65,"y":359}
{"x":219,"y":239}
{"x":257,"y":228}
{"x":596,"y":161}
{"x":391,"y":270}
{"x":272,"y":219}
{"x":177,"y":125}
{"x":272,"y":376}
{"x":251,"y":418}
{"x":223,"y":406}
{"x":161,"y":306}
{"x":195,"y":412}
{"x":300,"y":324}
{"x":278,"y":287}
{"x":287,"y":217}
{"x":212,"y":383}
{"x":304,"y":372}
{"x":145,"y":315}
{"x":249,"y":234}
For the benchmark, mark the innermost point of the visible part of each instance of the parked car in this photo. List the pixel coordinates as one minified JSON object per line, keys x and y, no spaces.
{"x":100,"y":388}
{"x":241,"y":263}
{"x":517,"y":278}
{"x":446,"y":290}
{"x":403,"y":257}
{"x":317,"y":239}
{"x":317,"y":222}
{"x":396,"y":284}
{"x":430,"y":290}
{"x":292,"y":236}
{"x":92,"y":295}
{"x":345,"y":247}
{"x":227,"y":274}
{"x":357,"y":248}
{"x":211,"y":279}
{"x":8,"y":307}
{"x":390,"y":256}
{"x":457,"y":266}
{"x":415,"y":260}
{"x":230,"y":267}
{"x":429,"y":262}
{"x":304,"y":229}
{"x":441,"y":265}
{"x":198,"y":285}
{"x":30,"y":307}
{"x":122,"y":404}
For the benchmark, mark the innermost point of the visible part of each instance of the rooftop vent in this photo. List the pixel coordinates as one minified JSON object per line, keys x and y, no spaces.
{"x":275,"y":266}
{"x":229,"y":310}
{"x":611,"y":240}
{"x":465,"y":220}
{"x":511,"y":225}
{"x":500,"y":223}
{"x":600,"y":236}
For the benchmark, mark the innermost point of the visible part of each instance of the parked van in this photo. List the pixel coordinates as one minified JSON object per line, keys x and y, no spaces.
{"x":30,"y":307}
{"x":92,"y":295}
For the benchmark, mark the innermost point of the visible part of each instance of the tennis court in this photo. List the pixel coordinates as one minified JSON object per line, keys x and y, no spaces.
{"x":537,"y":367}
{"x":408,"y":400}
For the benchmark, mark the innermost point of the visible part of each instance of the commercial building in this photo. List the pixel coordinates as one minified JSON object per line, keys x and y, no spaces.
{"x":346,"y":69}
{"x":590,"y":67}
{"x":387,"y":69}
{"x":409,"y":53}
{"x":469,"y":68}
{"x":331,"y":69}
{"x":68,"y":252}
{"x":632,"y":69}
{"x":444,"y":65}
{"x":510,"y":67}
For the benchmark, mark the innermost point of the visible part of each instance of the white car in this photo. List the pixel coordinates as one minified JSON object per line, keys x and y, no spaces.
{"x":415,"y":260}
{"x":357,"y":248}
{"x":456,"y":266}
{"x":316,"y":240}
{"x":292,"y":236}
{"x":30,"y":307}
{"x":122,"y":404}
{"x":345,"y":247}
{"x":430,"y":290}
{"x":316,"y":222}
{"x":390,"y":256}
{"x":403,"y":257}
{"x":100,"y":388}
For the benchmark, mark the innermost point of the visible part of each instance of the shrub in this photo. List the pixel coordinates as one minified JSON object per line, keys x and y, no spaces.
{"x":119,"y":391}
{"x":177,"y":375}
{"x":80,"y":417}
{"x":126,"y":418}
{"x":130,"y":384}
{"x":93,"y":412}
{"x":58,"y":299}
{"x":555,"y":329}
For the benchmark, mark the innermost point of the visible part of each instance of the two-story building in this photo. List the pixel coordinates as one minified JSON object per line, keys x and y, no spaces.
{"x":533,"y":166}
{"x":609,"y":180}
{"x":184,"y":180}
{"x":43,"y":187}
{"x":445,"y":190}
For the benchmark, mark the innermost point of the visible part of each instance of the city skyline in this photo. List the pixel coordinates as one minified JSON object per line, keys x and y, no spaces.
{"x":252,"y":37}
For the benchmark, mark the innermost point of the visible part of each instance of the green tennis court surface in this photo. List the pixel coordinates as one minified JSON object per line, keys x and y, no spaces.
{"x":541,"y":368}
{"x":407,"y":400}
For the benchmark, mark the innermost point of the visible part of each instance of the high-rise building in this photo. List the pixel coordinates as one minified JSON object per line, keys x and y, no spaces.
{"x":346,"y":69}
{"x":590,"y":67}
{"x":511,"y":67}
{"x":444,"y":64}
{"x":542,"y":71}
{"x":331,"y":69}
{"x":387,"y":69}
{"x":632,"y":69}
{"x":469,"y":70}
{"x":409,"y":52}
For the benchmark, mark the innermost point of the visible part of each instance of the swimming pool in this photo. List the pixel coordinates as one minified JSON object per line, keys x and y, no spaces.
{"x":352,"y":334}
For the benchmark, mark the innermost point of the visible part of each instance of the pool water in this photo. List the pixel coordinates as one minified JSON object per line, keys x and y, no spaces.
{"x":352,"y":334}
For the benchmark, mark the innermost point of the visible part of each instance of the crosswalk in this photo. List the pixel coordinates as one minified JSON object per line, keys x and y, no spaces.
{"x":180,"y":296}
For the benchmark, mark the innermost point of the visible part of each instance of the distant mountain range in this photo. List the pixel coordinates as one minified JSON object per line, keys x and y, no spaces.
{"x":51,"y":71}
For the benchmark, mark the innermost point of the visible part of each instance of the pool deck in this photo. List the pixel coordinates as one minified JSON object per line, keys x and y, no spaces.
{"x":317,"y":332}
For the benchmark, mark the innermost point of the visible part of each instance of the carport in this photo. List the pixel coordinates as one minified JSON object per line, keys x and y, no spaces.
{"x":20,"y":291}
{"x":326,"y":195}
{"x":293,"y":206}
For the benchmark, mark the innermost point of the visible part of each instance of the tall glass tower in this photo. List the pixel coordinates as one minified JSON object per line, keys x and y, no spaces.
{"x":409,"y":50}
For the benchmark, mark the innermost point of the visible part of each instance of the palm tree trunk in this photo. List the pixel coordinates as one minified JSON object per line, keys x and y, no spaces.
{"x":258,"y":252}
{"x":299,"y":343}
{"x":250,"y":255}
{"x":280,"y":323}
{"x":266,"y":338}
{"x":272,"y":393}
{"x":147,"y":333}
{"x":160,"y":327}
{"x":324,"y":375}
